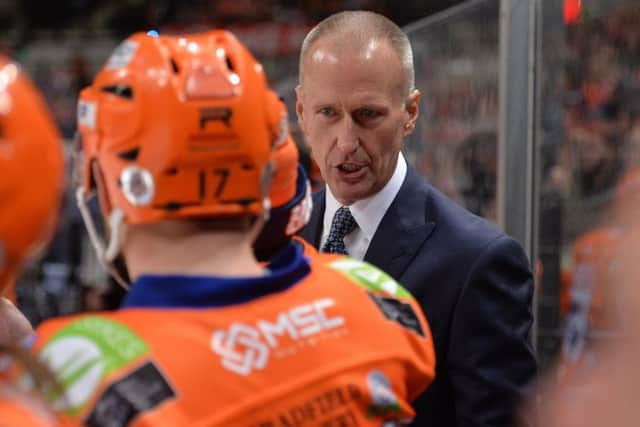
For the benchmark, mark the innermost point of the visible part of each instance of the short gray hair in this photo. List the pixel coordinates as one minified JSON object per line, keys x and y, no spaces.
{"x":361,"y":26}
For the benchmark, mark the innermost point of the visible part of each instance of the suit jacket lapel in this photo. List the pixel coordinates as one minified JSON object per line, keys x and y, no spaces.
{"x":403,"y":229}
{"x":312,"y":232}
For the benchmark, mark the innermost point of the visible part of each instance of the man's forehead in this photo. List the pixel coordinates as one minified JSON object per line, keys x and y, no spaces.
{"x":321,"y":55}
{"x":359,"y":99}
{"x":335,"y":49}
{"x":352,"y":66}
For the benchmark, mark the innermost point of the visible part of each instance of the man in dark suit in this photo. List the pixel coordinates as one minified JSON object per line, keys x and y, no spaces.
{"x":356,"y":103}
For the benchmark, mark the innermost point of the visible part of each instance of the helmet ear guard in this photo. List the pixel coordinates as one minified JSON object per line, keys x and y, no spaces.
{"x":290,"y":194}
{"x":285,"y":220}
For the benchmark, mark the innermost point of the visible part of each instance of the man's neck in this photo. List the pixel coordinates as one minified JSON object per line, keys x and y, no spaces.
{"x":205,"y":254}
{"x":368,"y":212}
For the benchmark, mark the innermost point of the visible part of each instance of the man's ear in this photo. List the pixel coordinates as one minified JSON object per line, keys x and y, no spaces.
{"x":412,"y":108}
{"x":300,"y":109}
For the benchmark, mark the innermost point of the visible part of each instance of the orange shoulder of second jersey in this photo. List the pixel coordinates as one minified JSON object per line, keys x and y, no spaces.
{"x":345,"y":346}
{"x":23,"y":411}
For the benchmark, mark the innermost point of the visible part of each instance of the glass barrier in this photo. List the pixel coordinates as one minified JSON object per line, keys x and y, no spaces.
{"x":589,"y":154}
{"x":455,"y":142}
{"x":587,"y":139}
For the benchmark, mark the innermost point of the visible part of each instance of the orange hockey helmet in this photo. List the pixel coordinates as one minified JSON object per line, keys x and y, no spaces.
{"x":178,"y":127}
{"x":31,"y":170}
{"x":285,"y":164}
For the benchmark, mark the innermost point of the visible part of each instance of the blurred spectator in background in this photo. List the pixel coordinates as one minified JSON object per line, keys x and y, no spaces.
{"x":477,"y":163}
{"x":598,"y":164}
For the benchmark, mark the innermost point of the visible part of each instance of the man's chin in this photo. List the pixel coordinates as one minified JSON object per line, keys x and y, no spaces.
{"x":347,"y":194}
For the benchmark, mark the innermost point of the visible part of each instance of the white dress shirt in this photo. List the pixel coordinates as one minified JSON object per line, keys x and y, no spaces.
{"x":367,"y":212}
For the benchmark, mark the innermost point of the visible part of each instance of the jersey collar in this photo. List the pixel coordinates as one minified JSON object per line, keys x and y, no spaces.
{"x":178,"y":291}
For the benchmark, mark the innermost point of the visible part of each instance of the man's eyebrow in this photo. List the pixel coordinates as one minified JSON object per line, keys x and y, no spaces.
{"x":372,"y":106}
{"x":371,"y":100}
{"x":317,"y":105}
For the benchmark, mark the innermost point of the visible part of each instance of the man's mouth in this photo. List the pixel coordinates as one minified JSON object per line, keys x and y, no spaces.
{"x":349,"y":167}
{"x":351,"y":170}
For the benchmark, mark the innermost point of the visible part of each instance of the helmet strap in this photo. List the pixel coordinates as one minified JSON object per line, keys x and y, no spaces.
{"x":106,"y":253}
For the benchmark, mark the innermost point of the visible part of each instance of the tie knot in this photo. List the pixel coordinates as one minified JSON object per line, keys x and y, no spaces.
{"x":343,"y":223}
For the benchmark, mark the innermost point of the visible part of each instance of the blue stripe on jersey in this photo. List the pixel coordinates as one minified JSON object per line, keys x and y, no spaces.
{"x":177,"y":291}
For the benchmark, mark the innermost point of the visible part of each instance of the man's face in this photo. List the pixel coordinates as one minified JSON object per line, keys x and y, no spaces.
{"x":354,"y":111}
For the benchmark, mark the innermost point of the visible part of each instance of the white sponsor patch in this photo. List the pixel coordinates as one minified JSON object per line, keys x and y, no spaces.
{"x":246,"y":348}
{"x":122,"y":55}
{"x":87,"y":114}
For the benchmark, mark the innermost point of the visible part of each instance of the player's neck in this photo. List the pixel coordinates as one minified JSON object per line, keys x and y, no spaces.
{"x":203,"y":254}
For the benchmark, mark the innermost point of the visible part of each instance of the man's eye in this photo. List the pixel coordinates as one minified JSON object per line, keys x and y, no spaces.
{"x":327,"y":111}
{"x":366,"y":114}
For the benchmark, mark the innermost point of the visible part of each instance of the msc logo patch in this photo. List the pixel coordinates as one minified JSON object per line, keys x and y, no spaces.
{"x":240,"y":348}
{"x":246,"y":348}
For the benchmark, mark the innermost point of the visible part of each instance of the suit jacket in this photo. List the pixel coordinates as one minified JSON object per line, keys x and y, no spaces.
{"x":475,"y":286}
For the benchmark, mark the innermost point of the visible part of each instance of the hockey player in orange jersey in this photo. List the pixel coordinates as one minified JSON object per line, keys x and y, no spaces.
{"x":593,"y":258}
{"x":177,"y":135}
{"x":31,"y":177}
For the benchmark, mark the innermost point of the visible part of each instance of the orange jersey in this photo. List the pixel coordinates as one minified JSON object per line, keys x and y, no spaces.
{"x":308,"y":249}
{"x":590,"y":280}
{"x":20,"y":410}
{"x":587,"y":303}
{"x":338,"y":344}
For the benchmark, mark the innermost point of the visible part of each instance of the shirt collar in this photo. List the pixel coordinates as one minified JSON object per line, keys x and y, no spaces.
{"x":178,"y":291}
{"x":368,"y":212}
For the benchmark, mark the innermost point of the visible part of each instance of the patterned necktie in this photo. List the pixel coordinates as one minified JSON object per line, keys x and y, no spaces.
{"x":343,"y":223}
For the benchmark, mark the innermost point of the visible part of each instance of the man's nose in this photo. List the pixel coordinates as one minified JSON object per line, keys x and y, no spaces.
{"x":348,"y":140}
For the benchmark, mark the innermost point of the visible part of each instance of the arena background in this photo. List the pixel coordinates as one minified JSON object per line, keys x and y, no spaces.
{"x":530,"y":117}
